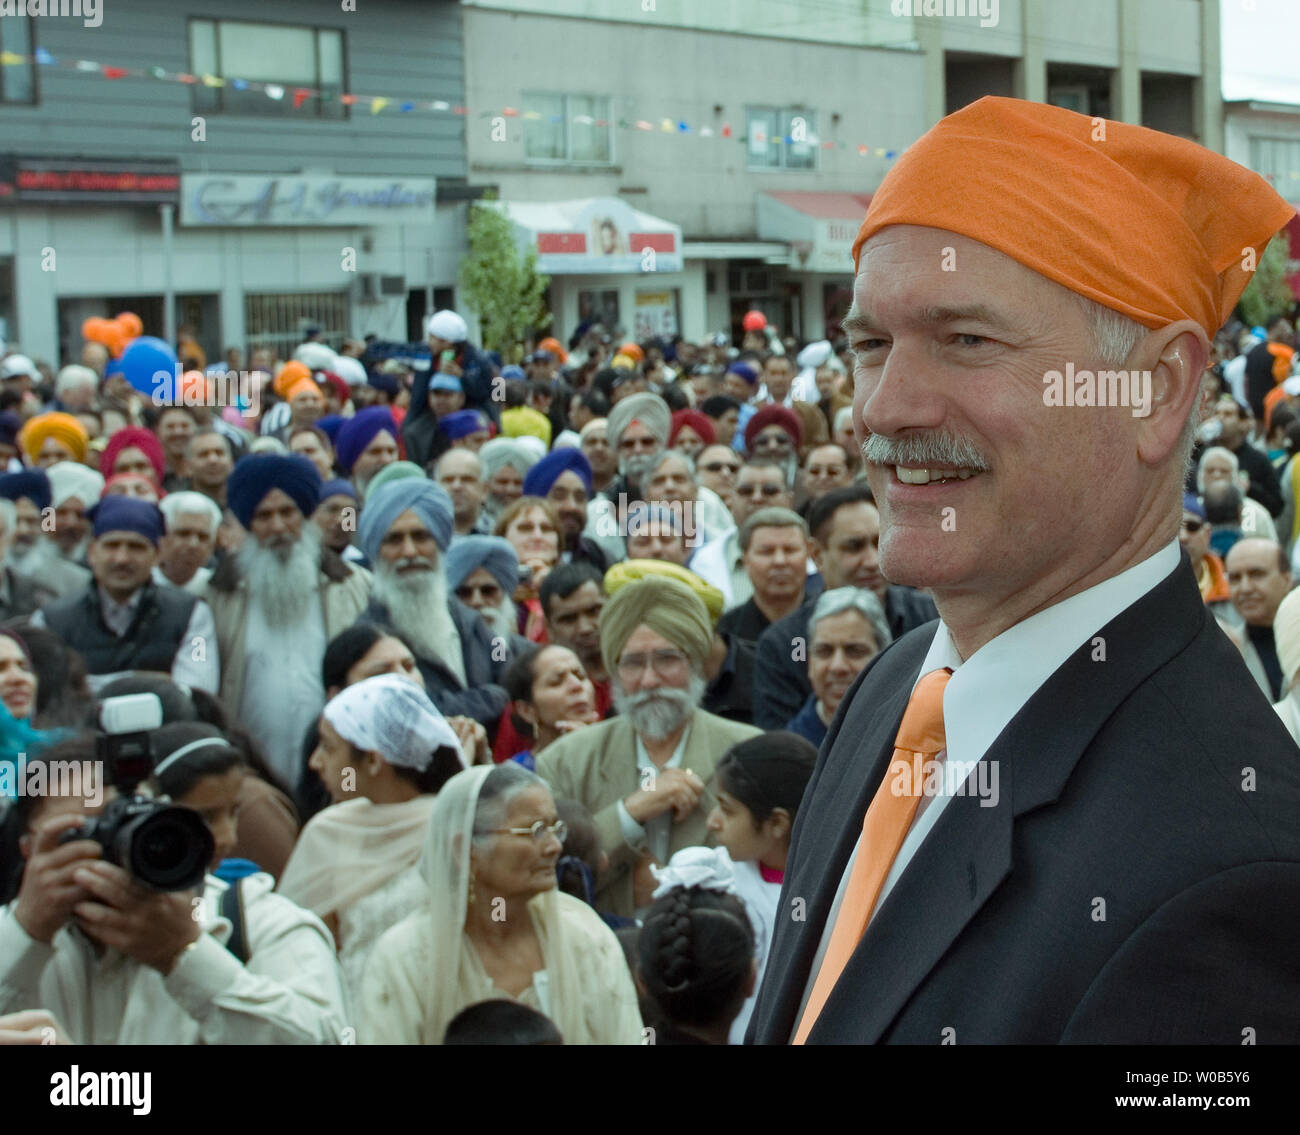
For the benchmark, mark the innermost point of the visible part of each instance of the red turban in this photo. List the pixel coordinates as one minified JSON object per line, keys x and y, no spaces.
{"x":1150,"y":225}
{"x":697,"y":421}
{"x":788,"y":420}
{"x":144,"y":440}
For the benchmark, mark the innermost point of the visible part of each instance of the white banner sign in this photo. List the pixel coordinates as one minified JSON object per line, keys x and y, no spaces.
{"x":243,"y":199}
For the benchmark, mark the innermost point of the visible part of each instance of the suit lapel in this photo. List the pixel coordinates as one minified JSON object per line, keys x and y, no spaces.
{"x":968,"y":854}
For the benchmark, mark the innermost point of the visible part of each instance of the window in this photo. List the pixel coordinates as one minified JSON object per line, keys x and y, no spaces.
{"x":288,"y":57}
{"x":1277,"y":159}
{"x":564,"y":128}
{"x":280,"y":320}
{"x":781,"y":138}
{"x":17,"y":80}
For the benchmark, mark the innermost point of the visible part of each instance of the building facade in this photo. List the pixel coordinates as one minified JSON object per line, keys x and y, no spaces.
{"x":288,"y":204}
{"x":759,"y":130}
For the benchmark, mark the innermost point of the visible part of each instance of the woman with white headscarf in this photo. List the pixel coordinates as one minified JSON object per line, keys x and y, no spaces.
{"x":496,"y":925}
{"x":1286,"y":635}
{"x":384,"y":751}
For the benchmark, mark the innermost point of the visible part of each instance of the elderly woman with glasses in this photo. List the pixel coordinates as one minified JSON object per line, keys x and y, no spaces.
{"x":496,"y":926}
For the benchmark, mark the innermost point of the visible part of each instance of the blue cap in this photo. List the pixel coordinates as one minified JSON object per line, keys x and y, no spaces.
{"x":446,"y":382}
{"x":513,"y":371}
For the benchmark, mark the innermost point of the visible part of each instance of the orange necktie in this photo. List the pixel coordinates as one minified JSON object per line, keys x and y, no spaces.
{"x":920,"y":738}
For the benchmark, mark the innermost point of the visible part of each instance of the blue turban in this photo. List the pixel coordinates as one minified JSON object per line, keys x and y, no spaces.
{"x":330,"y":425}
{"x":427,"y":500}
{"x":745,"y":370}
{"x":550,"y":468}
{"x":30,"y":483}
{"x":256,"y":475}
{"x":385,"y":382}
{"x":462,"y":423}
{"x":513,"y":372}
{"x":1192,"y":503}
{"x":469,"y":553}
{"x":358,"y":432}
{"x":338,"y":488}
{"x":127,"y":514}
{"x":10,"y":424}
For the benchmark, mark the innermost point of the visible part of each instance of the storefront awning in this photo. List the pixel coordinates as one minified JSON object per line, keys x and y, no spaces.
{"x":594,"y":235}
{"x":819,"y":227}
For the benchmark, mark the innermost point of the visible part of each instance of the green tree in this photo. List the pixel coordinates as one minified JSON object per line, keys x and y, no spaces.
{"x":1268,"y":295}
{"x":505,"y":290}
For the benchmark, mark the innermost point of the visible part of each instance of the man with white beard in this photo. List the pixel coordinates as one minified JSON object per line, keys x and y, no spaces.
{"x":643,"y":774}
{"x":31,"y":552}
{"x":406,"y":528}
{"x":277,"y":602}
{"x":483,"y":572}
{"x":19,"y":594}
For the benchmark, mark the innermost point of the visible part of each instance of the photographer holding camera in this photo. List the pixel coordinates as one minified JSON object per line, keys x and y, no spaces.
{"x":119,"y":961}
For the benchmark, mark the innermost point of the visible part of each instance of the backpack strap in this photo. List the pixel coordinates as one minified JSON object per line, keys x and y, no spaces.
{"x":232,"y":908}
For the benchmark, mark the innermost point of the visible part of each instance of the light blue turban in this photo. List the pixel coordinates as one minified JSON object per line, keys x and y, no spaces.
{"x":469,"y":553}
{"x":502,"y":451}
{"x":427,"y":500}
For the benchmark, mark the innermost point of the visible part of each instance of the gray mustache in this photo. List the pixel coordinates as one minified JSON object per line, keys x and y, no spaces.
{"x":943,"y":451}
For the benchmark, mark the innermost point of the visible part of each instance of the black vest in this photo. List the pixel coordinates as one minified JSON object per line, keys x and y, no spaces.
{"x":150,"y":643}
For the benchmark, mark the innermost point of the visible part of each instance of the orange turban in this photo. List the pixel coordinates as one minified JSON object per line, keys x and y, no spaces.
{"x":290,"y":373}
{"x":1144,"y":223}
{"x":301,"y":387}
{"x":64,"y":428}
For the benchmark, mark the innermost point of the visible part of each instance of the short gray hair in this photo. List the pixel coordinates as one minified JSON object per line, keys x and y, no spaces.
{"x":771,"y":518}
{"x":1216,"y":451}
{"x":175,"y":505}
{"x":685,"y":459}
{"x":506,"y":781}
{"x":858,"y":599}
{"x":74,"y":376}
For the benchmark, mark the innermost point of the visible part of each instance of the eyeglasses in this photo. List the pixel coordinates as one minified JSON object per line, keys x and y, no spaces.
{"x":719,"y":466}
{"x":539,"y":830}
{"x":1193,"y":526}
{"x":759,"y":490}
{"x":666,"y":663}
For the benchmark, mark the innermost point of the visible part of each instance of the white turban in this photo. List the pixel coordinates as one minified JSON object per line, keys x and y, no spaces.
{"x":70,"y":479}
{"x":393,"y":717}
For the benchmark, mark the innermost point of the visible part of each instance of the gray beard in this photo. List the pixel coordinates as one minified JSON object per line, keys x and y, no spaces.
{"x":502,"y":620}
{"x":417,"y":608}
{"x":658,"y":714}
{"x":33,"y":560}
{"x":284,"y":585}
{"x":638,"y":466}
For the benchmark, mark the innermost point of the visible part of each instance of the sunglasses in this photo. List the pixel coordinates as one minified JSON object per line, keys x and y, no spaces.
{"x":1193,"y":526}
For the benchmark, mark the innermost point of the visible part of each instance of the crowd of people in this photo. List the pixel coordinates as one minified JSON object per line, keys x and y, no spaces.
{"x":498,"y":687}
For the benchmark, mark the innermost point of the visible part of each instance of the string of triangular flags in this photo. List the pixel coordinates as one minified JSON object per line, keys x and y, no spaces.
{"x":297,"y":96}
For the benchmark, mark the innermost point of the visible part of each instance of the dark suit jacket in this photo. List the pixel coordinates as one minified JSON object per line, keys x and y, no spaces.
{"x":781,"y":681}
{"x":1158,"y":780}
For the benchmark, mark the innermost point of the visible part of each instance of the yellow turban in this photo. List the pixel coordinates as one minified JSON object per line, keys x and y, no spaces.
{"x":668,"y":607}
{"x":64,"y":428}
{"x":524,"y":421}
{"x":629,"y":570}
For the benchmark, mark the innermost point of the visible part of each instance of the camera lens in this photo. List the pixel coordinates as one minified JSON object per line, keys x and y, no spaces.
{"x":171,"y":849}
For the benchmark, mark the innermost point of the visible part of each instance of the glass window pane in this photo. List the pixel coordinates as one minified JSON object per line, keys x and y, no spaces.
{"x":268,"y":54}
{"x":203,"y":47}
{"x":544,"y":136}
{"x":331,"y":74}
{"x":760,"y":125}
{"x":589,"y":143}
{"x":800,"y":127}
{"x":18,"y":81}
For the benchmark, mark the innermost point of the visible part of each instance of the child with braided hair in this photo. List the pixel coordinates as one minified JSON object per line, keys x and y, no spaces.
{"x":696,"y":964}
{"x":758,"y":784}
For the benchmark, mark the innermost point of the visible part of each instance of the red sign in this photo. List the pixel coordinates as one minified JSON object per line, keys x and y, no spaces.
{"x":562,"y":242}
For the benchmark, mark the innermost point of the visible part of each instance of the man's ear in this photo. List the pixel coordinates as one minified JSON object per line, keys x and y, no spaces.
{"x":816,"y":551}
{"x":374,"y":763}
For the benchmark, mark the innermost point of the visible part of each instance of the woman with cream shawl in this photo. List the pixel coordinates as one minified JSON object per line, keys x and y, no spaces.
{"x":496,"y":926}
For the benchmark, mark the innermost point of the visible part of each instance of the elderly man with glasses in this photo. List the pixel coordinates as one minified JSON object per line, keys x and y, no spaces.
{"x":643,"y":775}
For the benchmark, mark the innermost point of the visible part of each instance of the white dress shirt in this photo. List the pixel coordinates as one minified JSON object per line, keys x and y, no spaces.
{"x":988,"y":689}
{"x":289,"y":992}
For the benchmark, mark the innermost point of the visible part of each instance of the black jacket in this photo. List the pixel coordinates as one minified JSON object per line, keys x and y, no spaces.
{"x":481,"y":696}
{"x":1121,"y":782}
{"x":1264,"y":486}
{"x":781,"y":670}
{"x":150,"y":643}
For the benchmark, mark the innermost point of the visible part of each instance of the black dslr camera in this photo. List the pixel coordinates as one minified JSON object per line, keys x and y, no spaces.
{"x":164,"y":846}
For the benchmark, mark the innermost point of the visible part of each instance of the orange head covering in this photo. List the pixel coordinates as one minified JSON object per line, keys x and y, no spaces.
{"x":301,"y":387}
{"x":632,"y":351}
{"x":63,"y":428}
{"x":1144,"y":223}
{"x":290,"y":373}
{"x":553,"y":345}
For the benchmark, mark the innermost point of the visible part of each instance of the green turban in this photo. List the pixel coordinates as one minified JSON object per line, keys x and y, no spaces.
{"x":668,"y":607}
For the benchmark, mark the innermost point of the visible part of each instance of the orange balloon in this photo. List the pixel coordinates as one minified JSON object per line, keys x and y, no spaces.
{"x":115,"y":340}
{"x":96,"y":330}
{"x":130,"y":323}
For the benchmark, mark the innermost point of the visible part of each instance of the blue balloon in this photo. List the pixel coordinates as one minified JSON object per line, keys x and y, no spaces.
{"x":151,"y":367}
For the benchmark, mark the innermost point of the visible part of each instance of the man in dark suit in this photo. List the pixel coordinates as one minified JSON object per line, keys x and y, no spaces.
{"x":1029,"y":824}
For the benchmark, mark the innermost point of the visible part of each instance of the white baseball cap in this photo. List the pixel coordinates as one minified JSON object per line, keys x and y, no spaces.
{"x":15,"y":366}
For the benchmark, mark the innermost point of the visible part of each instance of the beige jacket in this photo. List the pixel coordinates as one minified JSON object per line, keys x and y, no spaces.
{"x":344,"y":592}
{"x":597,"y":766}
